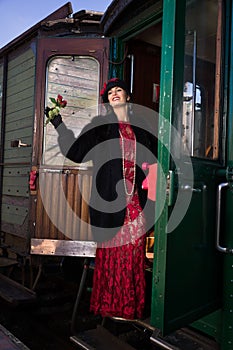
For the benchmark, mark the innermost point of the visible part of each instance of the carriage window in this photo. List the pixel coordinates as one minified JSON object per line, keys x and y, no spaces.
{"x":76,"y":78}
{"x":201,"y":95}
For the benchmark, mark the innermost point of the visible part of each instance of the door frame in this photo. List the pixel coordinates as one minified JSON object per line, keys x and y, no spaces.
{"x":46,"y":49}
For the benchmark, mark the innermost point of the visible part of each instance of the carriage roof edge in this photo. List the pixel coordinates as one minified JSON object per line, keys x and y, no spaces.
{"x":62,"y":16}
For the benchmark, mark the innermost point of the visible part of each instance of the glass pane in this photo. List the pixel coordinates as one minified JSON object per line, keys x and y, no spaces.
{"x":202,"y":78}
{"x":76,"y":78}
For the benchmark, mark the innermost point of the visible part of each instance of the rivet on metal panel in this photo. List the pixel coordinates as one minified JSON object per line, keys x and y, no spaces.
{"x":66,"y":171}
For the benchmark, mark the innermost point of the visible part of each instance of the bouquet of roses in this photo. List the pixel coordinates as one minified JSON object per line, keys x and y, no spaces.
{"x":52,"y":112}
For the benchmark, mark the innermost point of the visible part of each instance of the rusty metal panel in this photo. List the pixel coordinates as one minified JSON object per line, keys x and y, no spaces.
{"x":61,"y":248}
{"x":61,"y":209}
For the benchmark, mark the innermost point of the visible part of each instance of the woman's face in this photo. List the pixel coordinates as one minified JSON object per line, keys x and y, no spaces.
{"x":117,"y":96}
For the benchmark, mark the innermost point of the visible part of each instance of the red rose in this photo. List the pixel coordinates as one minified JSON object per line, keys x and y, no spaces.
{"x":59,"y":98}
{"x":63,"y":103}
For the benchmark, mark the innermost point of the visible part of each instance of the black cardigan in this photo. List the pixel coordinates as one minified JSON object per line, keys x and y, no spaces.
{"x":99,"y":142}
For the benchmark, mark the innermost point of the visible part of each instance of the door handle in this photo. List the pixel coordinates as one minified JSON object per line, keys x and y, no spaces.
{"x":225,"y":250}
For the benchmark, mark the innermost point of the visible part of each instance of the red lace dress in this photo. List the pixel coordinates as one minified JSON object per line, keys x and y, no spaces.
{"x":119,"y":280}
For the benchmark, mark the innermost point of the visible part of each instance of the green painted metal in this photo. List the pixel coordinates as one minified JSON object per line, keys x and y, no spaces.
{"x":185,"y":259}
{"x":227,"y":309}
{"x":211,"y":325}
{"x":116,"y":58}
{"x":15,"y":214}
{"x":227,"y":317}
{"x":166,"y":88}
{"x":169,"y":85}
{"x":219,"y":324}
{"x":19,"y":119}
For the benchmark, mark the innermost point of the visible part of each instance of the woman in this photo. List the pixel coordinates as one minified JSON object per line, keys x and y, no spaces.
{"x":118,"y":204}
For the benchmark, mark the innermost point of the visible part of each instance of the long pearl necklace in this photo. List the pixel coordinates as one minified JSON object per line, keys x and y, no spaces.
{"x":123,"y":165}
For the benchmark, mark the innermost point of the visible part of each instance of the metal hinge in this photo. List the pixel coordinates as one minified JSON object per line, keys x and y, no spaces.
{"x":170,"y":187}
{"x":229,"y":176}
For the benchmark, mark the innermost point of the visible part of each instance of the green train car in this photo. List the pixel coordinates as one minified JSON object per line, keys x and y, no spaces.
{"x":176,"y":56}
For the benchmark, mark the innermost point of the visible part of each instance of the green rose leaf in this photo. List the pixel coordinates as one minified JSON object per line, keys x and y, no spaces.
{"x":53,"y":100}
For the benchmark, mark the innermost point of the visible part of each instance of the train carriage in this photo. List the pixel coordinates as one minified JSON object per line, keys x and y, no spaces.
{"x":59,"y":55}
{"x":176,"y":58}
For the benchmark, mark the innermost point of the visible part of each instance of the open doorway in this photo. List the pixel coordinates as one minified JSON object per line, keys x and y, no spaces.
{"x":143,"y":66}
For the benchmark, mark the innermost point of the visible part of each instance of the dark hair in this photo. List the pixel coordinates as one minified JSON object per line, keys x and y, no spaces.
{"x":113,"y":83}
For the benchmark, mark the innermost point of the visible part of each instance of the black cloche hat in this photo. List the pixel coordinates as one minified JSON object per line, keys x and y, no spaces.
{"x":110,"y":84}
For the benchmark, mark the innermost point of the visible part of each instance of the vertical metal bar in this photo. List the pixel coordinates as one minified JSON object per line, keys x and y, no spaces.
{"x":79,"y":294}
{"x":131,"y":72}
{"x":194,"y":90}
{"x":218,"y":224}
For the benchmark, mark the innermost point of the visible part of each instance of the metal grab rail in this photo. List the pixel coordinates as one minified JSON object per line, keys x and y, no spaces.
{"x":225,"y":250}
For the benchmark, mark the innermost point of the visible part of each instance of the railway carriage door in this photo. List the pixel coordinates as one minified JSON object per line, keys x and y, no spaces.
{"x":187,"y":266}
{"x":75,"y":69}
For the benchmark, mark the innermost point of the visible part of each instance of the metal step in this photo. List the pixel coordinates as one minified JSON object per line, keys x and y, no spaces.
{"x":99,"y":339}
{"x":9,"y":342}
{"x":144,"y":323}
{"x":15,"y":293}
{"x":7,"y":262}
